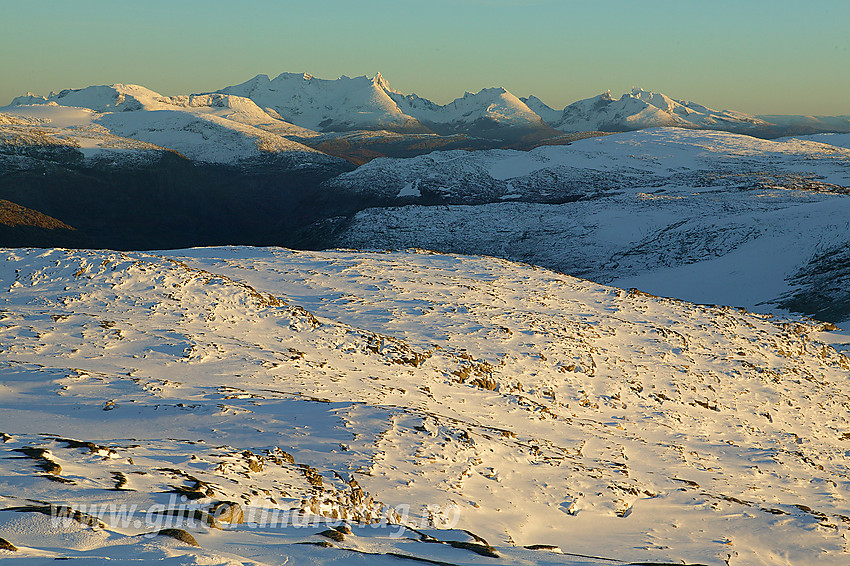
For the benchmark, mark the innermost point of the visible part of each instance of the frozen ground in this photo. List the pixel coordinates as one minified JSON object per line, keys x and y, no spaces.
{"x":451,"y":394}
{"x":710,"y":217}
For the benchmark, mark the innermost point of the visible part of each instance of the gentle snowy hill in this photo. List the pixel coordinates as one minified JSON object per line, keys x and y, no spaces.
{"x":206,"y":137}
{"x":795,"y":125}
{"x":652,"y":157}
{"x":239,"y":109}
{"x":838,"y":140}
{"x":711,"y":217}
{"x":435,"y":408}
{"x":171,"y":177}
{"x":113,"y":98}
{"x":208,"y":129}
{"x":644,"y":109}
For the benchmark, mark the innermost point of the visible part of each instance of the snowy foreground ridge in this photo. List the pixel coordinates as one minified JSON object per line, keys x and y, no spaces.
{"x":272,"y":406}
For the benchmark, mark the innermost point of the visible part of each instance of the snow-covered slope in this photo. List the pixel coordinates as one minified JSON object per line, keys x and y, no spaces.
{"x":549,"y":115}
{"x":299,"y":107}
{"x":104,"y":98}
{"x":328,"y":105}
{"x":142,"y":392}
{"x":490,"y":113}
{"x":652,"y":157}
{"x":809,"y":124}
{"x":836,"y":139}
{"x":206,"y":137}
{"x":644,"y":109}
{"x":32,"y":133}
{"x":364,"y":103}
{"x":207,"y":129}
{"x":239,"y":109}
{"x":711,"y":217}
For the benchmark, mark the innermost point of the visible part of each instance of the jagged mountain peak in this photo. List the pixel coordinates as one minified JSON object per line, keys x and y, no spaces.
{"x":492,"y":113}
{"x":487,"y":91}
{"x":261,"y":78}
{"x":369,"y":103}
{"x":532,"y":98}
{"x":546,"y":112}
{"x":379,"y":81}
{"x":365,"y":102}
{"x":656,"y":99}
{"x":343,"y":104}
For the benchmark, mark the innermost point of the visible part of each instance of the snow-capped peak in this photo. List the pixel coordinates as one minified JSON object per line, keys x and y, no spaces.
{"x":641,"y":108}
{"x":379,"y":81}
{"x":657,"y":100}
{"x":549,"y":114}
{"x":329,"y":105}
{"x":345,"y":104}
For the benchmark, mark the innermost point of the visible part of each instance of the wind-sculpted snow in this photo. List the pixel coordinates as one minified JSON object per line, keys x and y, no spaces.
{"x":274,"y":406}
{"x":705,"y":216}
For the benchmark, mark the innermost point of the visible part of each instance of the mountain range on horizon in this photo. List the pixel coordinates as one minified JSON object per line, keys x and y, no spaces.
{"x":312,"y":163}
{"x":300,"y":106}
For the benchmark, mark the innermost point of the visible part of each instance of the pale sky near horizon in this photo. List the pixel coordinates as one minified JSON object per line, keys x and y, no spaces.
{"x":756,"y":56}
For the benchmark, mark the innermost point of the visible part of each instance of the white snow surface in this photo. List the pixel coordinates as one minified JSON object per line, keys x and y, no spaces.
{"x":52,"y":126}
{"x":329,"y":105}
{"x":103,"y":98}
{"x":645,"y":109}
{"x":496,"y":104}
{"x":299,"y":105}
{"x":654,"y":155}
{"x":710,"y":217}
{"x":549,"y":115}
{"x":836,"y":139}
{"x":522,"y":405}
{"x":211,"y":128}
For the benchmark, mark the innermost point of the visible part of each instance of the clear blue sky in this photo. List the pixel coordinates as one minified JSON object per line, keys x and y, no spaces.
{"x":757,"y":56}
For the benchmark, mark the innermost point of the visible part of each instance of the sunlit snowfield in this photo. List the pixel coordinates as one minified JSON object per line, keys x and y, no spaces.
{"x":313,"y":389}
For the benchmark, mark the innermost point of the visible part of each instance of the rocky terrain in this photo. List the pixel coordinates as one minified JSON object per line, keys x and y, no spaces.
{"x":266,"y":406}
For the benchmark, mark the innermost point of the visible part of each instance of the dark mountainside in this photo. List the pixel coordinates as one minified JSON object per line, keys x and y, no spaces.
{"x":169,"y":203}
{"x":21,"y":226}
